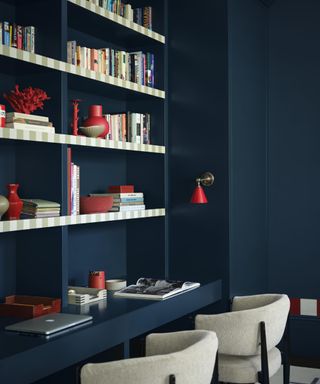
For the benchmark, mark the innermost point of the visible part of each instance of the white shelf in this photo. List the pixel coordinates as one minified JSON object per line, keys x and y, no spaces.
{"x":27,"y":224}
{"x":119,"y":19}
{"x":19,"y":134}
{"x":47,"y":62}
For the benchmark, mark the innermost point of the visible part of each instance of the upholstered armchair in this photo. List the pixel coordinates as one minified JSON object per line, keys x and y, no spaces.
{"x":248,"y":336}
{"x":186,"y":357}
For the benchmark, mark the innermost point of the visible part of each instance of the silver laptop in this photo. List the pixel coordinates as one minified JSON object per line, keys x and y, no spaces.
{"x":50,"y":324}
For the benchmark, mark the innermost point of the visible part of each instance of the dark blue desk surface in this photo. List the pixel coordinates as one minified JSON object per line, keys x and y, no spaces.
{"x":24,"y":359}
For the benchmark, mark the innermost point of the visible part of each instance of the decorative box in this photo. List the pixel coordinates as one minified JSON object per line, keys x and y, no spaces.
{"x":84,"y":295}
{"x":29,"y":306}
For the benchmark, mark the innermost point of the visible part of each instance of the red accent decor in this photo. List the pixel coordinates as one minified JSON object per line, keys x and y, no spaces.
{"x":75,"y":120}
{"x":198,"y":196}
{"x":15,"y":204}
{"x":29,"y":306}
{"x":26,"y":101}
{"x":121,"y":189}
{"x":295,"y":306}
{"x":96,"y":118}
{"x":97,"y":279}
{"x":2,"y":116}
{"x":95,"y":204}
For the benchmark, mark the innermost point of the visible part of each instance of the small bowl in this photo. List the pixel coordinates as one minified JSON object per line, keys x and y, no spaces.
{"x":95,"y":204}
{"x":92,"y":131}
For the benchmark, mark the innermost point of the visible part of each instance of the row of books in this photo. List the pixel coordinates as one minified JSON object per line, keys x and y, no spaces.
{"x":129,"y":127}
{"x":38,"y":208}
{"x":17,"y":36}
{"x":142,"y":16}
{"x":73,"y":187}
{"x":137,"y":67}
{"x":26,"y":122}
{"x":124,"y":202}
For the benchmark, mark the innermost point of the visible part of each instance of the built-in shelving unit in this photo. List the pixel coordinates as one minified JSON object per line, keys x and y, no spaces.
{"x":59,"y":249}
{"x":27,"y":224}
{"x":58,"y":65}
{"x":13,"y":134}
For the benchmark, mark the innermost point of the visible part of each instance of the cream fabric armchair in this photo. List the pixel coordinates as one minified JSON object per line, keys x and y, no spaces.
{"x":248,"y":336}
{"x":186,"y":357}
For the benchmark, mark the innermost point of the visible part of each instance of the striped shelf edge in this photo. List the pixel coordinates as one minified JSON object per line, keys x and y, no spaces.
{"x":27,"y":224}
{"x":20,"y":134}
{"x":119,"y":19}
{"x":48,"y":62}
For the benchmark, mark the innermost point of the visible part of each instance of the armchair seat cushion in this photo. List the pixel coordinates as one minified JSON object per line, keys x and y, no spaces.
{"x":244,"y":369}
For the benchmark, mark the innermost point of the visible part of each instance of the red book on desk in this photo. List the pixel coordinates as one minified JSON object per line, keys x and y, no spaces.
{"x":121,"y":189}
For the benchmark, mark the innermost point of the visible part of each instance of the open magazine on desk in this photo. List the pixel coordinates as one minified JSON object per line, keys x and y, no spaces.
{"x":155,"y":289}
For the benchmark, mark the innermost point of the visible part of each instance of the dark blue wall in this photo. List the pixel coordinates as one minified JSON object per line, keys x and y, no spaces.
{"x":247,"y":146}
{"x":198,"y":139}
{"x":294,"y":155}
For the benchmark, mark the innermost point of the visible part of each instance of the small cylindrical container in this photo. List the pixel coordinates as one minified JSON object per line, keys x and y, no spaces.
{"x":2,"y":116}
{"x":97,"y":279}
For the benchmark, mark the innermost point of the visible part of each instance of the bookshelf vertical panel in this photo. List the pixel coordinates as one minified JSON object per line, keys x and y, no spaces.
{"x":39,"y":263}
{"x":100,"y":247}
{"x":145,"y":249}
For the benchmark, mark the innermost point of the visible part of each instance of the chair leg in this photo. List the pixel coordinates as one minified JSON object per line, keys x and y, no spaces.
{"x":264,"y":374}
{"x":285,"y":354}
{"x":286,"y":371}
{"x":215,"y":376}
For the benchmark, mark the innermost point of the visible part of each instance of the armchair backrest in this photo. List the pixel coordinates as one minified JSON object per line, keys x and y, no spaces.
{"x":188,"y":355}
{"x":239,"y":331}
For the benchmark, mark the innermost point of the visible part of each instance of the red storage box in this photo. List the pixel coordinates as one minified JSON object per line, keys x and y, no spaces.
{"x":29,"y":306}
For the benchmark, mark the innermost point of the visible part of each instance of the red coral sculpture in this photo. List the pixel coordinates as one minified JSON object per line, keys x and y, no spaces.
{"x":26,"y":101}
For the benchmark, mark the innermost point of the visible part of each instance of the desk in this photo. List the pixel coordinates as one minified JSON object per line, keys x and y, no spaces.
{"x":24,"y":359}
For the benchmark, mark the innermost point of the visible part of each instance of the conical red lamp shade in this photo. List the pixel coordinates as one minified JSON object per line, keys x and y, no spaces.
{"x":198,"y":196}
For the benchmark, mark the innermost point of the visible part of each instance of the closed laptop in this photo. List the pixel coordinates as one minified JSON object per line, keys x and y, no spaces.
{"x":50,"y":324}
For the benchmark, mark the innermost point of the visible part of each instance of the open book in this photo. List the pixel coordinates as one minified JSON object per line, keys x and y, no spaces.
{"x":153,"y":289}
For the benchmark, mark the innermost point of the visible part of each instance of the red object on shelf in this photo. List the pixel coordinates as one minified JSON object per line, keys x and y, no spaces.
{"x":75,"y":119}
{"x":198,"y":196}
{"x":95,"y":204}
{"x":29,"y":306}
{"x":97,"y":279}
{"x":15,"y":204}
{"x":27,"y":100}
{"x":96,"y":118}
{"x":2,"y":116}
{"x":121,"y":189}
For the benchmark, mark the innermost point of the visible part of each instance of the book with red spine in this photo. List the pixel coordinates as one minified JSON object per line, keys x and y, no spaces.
{"x":121,"y":189}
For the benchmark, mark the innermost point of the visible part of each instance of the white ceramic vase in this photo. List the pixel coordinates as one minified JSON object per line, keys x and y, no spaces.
{"x":4,"y":205}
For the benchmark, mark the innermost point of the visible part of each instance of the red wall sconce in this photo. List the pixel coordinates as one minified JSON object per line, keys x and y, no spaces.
{"x":198,"y":196}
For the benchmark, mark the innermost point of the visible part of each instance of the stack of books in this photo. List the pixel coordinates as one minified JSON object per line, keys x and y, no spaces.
{"x":142,"y":16}
{"x":129,"y":127}
{"x":17,"y":36}
{"x":27,"y":122}
{"x":38,"y":208}
{"x":124,"y":198}
{"x":137,"y":67}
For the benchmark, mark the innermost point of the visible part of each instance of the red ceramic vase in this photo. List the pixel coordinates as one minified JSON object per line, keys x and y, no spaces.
{"x":15,"y":204}
{"x":96,"y":118}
